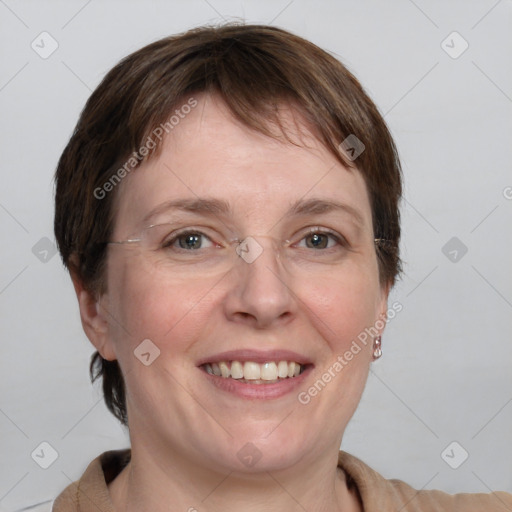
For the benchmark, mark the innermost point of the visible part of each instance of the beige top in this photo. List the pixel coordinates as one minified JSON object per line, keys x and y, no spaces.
{"x":91,"y":494}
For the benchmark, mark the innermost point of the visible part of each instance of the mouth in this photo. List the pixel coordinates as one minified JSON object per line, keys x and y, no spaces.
{"x":256,"y":374}
{"x":252,"y":372}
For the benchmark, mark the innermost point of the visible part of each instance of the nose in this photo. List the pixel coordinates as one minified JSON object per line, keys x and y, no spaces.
{"x":260,"y":292}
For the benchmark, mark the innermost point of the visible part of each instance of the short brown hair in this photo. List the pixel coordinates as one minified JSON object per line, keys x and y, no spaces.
{"x":252,"y":68}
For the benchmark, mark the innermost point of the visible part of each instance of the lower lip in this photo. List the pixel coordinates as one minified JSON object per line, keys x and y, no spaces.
{"x":258,"y":391}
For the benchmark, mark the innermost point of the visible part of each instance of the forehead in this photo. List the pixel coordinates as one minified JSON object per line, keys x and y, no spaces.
{"x":210,"y":154}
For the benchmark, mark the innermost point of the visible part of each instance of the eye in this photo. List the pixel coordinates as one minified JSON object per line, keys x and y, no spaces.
{"x":187,"y":240}
{"x":321,"y":239}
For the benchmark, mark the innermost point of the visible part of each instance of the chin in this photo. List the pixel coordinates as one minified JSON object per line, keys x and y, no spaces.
{"x":267,"y":448}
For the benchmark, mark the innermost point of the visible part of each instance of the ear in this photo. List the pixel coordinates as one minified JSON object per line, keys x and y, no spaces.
{"x":94,"y":318}
{"x":383,"y":306}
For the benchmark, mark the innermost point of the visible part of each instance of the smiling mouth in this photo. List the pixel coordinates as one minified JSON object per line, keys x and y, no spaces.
{"x":251,"y":372}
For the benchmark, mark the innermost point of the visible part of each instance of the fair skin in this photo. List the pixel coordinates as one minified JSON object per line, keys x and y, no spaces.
{"x":187,"y":427}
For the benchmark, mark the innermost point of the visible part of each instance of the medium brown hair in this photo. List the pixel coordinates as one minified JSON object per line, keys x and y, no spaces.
{"x":253,"y":68}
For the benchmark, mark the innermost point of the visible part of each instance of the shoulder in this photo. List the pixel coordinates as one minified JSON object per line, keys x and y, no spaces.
{"x":91,"y":492}
{"x":418,"y":501}
{"x":379,"y":494}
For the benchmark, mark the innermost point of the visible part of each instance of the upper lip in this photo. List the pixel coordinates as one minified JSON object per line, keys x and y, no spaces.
{"x":256,"y":356}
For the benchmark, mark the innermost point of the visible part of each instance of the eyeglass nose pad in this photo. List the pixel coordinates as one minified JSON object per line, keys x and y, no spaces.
{"x":249,"y":249}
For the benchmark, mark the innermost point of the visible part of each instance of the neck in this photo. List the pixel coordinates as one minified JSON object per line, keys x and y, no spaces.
{"x":148,"y":483}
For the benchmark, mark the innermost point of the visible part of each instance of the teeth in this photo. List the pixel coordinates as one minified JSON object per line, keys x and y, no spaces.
{"x":252,"y":371}
{"x":282,"y":369}
{"x":255,"y":372}
{"x":268,"y":371}
{"x":224,"y":369}
{"x":237,"y":370}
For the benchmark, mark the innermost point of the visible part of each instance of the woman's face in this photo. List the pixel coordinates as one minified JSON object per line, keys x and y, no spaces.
{"x":301,"y":288}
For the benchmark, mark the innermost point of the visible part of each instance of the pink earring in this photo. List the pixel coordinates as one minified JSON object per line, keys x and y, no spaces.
{"x":377,"y":348}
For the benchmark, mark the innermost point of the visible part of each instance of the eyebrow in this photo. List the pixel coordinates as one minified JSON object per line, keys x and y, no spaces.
{"x":318,"y":206}
{"x":200,"y":206}
{"x":314,"y":206}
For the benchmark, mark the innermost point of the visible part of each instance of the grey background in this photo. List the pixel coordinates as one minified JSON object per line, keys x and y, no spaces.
{"x":446,"y":370}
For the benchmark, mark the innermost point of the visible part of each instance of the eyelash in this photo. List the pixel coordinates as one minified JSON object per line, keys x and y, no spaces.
{"x":338,"y":239}
{"x":169,"y":241}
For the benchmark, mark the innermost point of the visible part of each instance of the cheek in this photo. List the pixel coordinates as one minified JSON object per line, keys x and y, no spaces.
{"x":169,"y":313}
{"x":342,"y":307}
